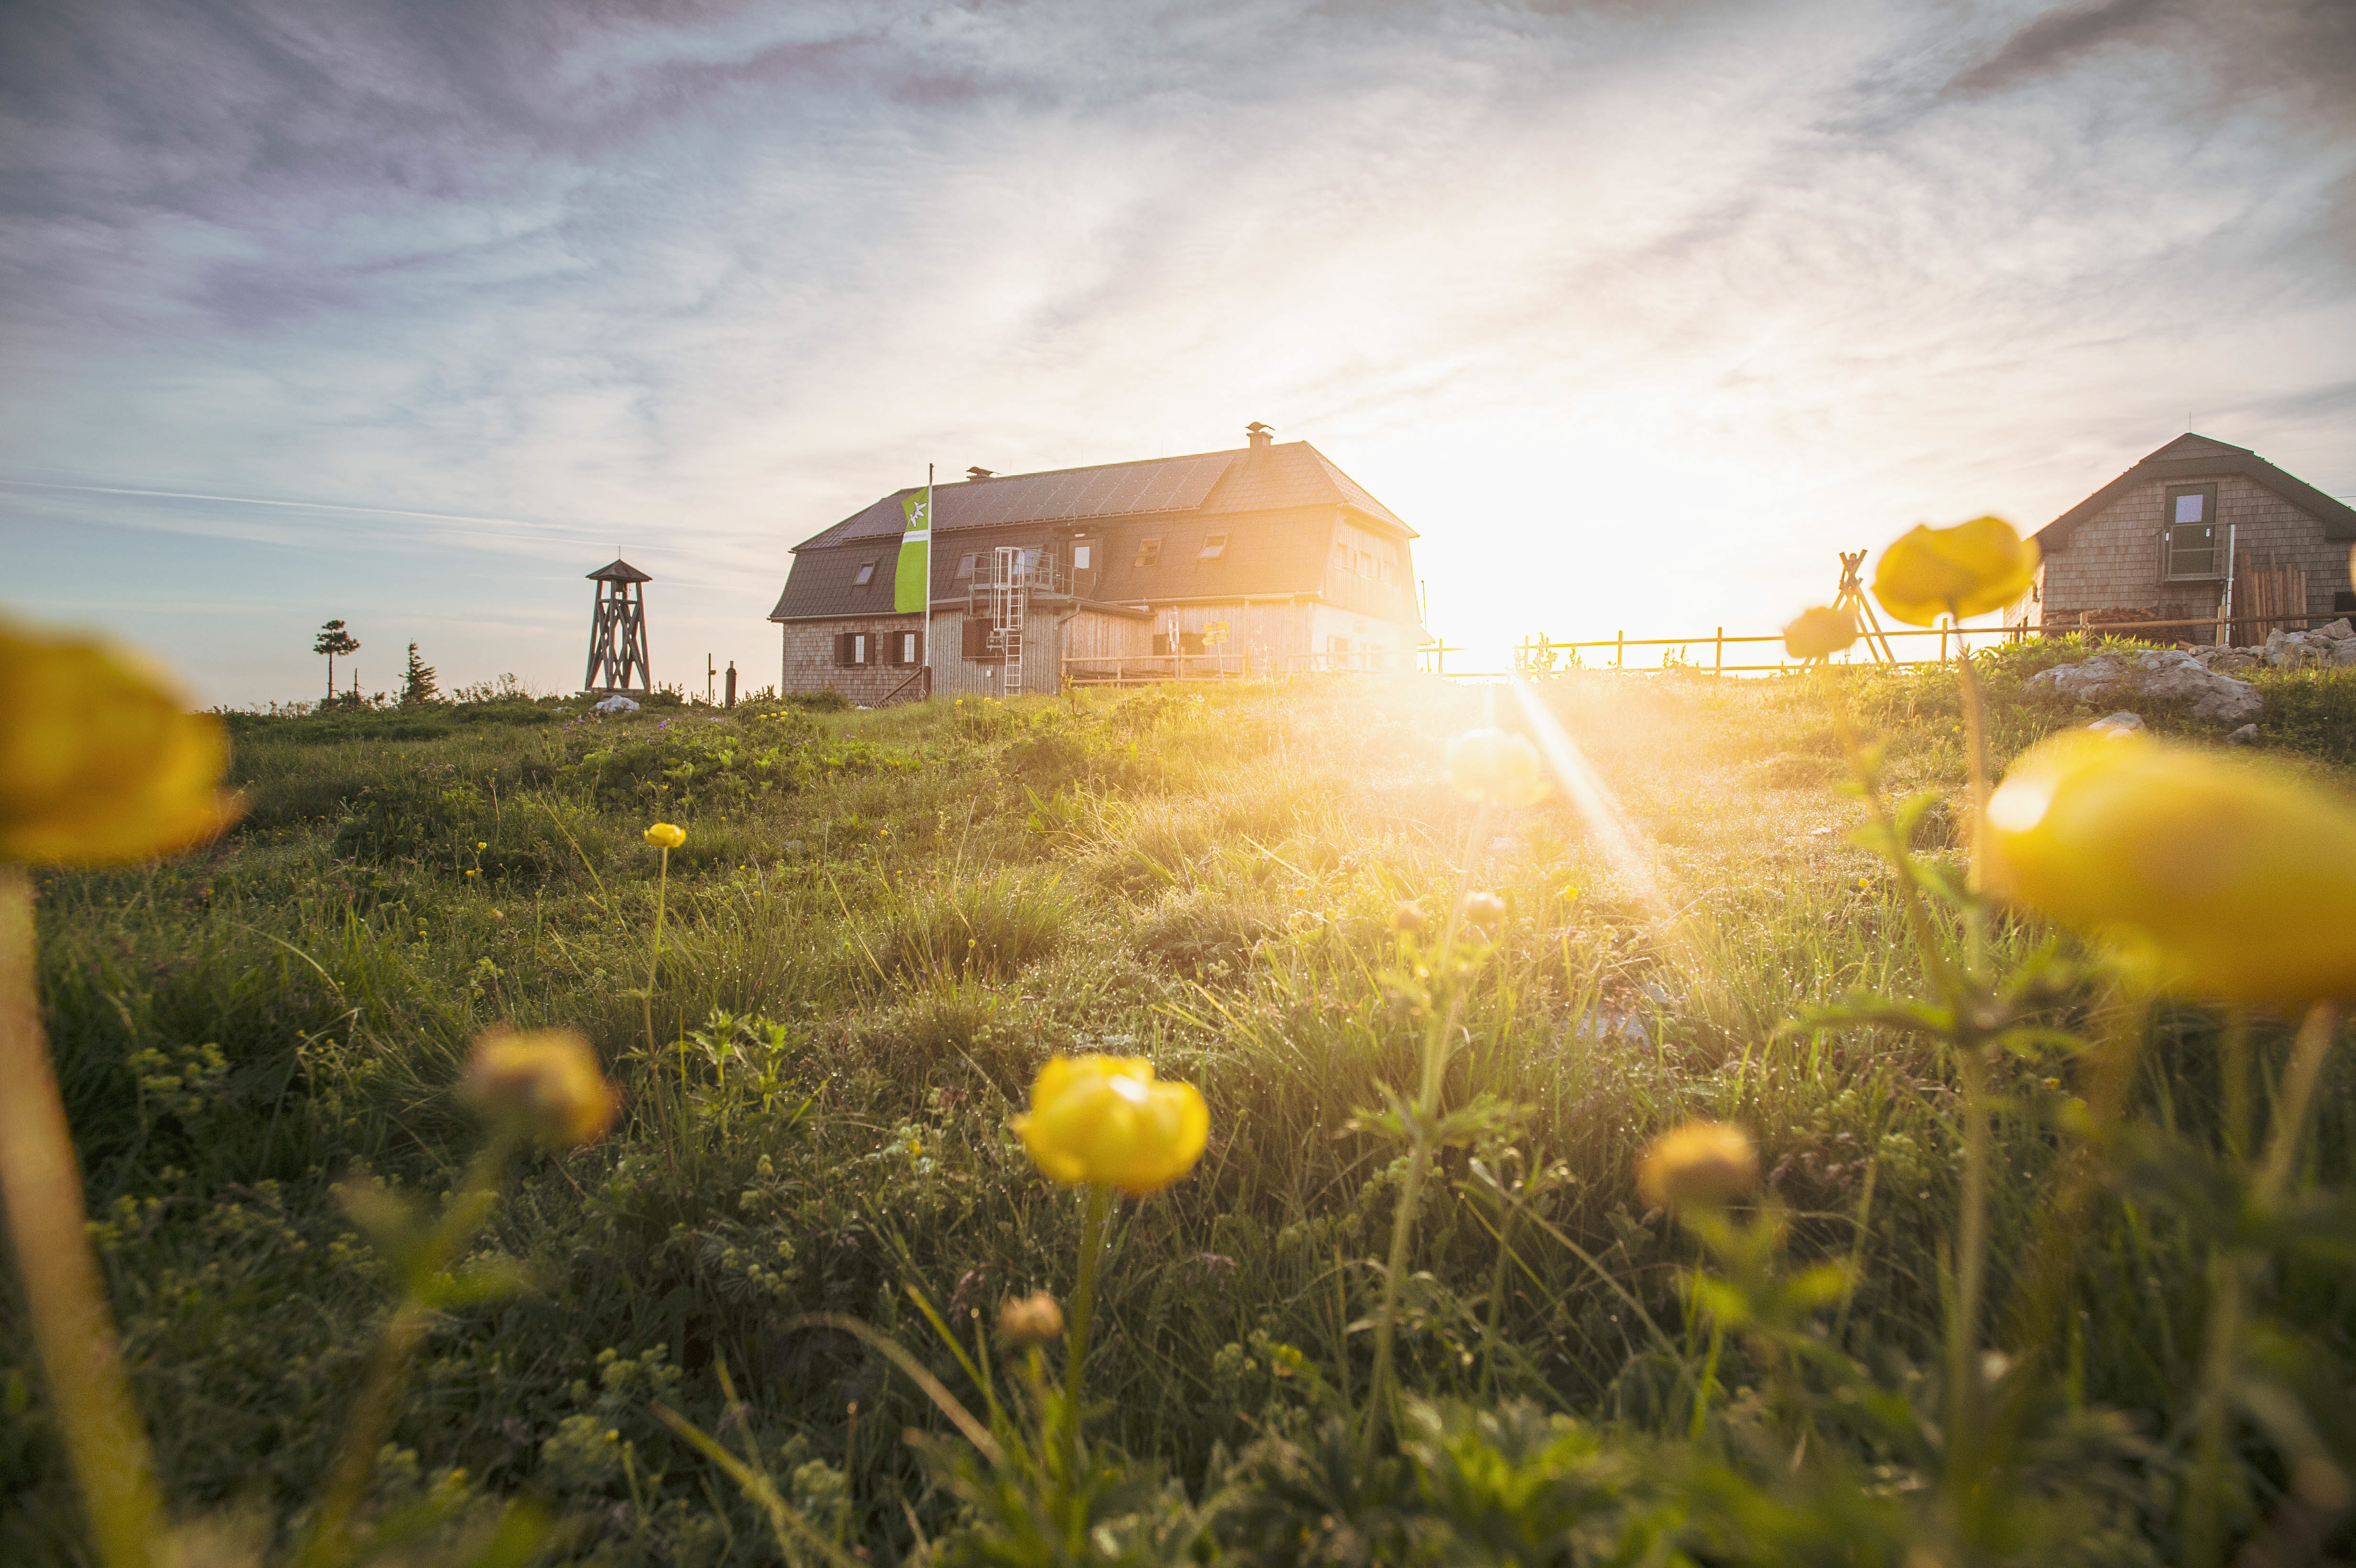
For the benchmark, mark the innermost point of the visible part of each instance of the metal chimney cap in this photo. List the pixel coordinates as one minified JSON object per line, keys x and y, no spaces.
{"x":980,"y":474}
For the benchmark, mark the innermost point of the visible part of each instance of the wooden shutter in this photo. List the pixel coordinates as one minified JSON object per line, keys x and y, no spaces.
{"x":842,"y":648}
{"x":977,"y":639}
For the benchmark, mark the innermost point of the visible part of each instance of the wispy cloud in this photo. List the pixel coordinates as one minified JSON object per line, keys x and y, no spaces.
{"x":1667,"y":300}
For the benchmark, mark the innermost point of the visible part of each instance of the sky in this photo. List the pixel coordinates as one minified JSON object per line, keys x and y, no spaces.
{"x":413,"y":312}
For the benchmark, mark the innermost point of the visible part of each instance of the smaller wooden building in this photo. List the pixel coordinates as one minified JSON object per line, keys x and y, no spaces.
{"x":2195,"y":525}
{"x":1262,"y":559}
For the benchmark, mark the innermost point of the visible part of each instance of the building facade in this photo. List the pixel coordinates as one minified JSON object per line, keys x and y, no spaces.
{"x":1259,"y":561}
{"x":2195,"y":527}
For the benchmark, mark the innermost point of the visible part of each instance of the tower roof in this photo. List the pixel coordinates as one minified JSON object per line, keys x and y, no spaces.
{"x":619,"y":571}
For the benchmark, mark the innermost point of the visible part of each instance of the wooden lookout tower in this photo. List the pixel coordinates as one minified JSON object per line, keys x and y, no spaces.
{"x":617,"y":634}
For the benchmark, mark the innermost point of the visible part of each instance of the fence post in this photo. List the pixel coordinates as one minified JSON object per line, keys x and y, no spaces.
{"x":1619,"y":648}
{"x":1717,"y":659}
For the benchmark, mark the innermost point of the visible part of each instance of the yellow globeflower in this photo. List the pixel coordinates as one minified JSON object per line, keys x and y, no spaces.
{"x":666,"y":836}
{"x":1968,"y":570}
{"x":1820,"y":633}
{"x":1107,"y":1119}
{"x":545,"y":1084}
{"x":99,"y":763}
{"x":1494,"y":766}
{"x":1700,"y":1165}
{"x":2214,"y":875}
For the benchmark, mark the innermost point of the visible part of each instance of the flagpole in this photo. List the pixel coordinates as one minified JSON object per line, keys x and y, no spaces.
{"x":928,"y":580}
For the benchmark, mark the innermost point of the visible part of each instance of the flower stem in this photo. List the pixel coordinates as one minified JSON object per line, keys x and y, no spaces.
{"x":73,"y":1331}
{"x":1075,"y":1351}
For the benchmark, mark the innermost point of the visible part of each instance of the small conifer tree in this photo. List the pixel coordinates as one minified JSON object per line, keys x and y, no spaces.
{"x":417,"y":687}
{"x":334,"y":640}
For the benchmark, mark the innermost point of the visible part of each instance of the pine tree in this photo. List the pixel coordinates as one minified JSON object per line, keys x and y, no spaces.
{"x":334,"y":640}
{"x":417,"y":687}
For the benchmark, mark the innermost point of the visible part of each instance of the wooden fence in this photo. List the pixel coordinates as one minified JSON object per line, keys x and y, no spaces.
{"x":1539,"y":655}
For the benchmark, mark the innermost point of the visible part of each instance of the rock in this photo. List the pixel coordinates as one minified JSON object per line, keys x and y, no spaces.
{"x":2157,"y":677}
{"x":2225,"y":661}
{"x":2338,"y":631}
{"x":618,"y":704}
{"x":2346,"y":651}
{"x":2117,"y":724}
{"x":2247,"y":735}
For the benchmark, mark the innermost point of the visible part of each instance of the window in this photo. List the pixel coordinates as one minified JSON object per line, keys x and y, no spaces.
{"x":1337,"y":645}
{"x":1148,"y":551}
{"x":1342,"y":554}
{"x":1213,"y":546}
{"x":1080,"y":557}
{"x":964,"y":564}
{"x":908,"y":649}
{"x":2194,"y":543}
{"x":1160,"y":645}
{"x":851,"y":648}
{"x":1387,"y":570}
{"x":1190,"y":642}
{"x":864,"y":575}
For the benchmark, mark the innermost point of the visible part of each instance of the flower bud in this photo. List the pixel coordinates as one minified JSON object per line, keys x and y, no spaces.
{"x":1493,"y":766}
{"x":545,"y":1085}
{"x":1033,"y":1319}
{"x":1701,"y":1165}
{"x":1410,"y":917}
{"x":1819,"y":634}
{"x":1483,"y":909}
{"x":665,"y":835}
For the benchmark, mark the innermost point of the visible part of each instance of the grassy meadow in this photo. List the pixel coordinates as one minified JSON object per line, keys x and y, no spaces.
{"x":881,"y":924}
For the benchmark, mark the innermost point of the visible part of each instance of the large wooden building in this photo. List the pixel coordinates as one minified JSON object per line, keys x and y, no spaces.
{"x":1263,"y":560}
{"x":2196,"y":524}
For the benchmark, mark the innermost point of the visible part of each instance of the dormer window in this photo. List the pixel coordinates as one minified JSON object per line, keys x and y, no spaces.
{"x":864,"y":575}
{"x":2194,"y":541}
{"x":1081,"y":555}
{"x":1213,"y":546}
{"x":1148,"y":551}
{"x":965,"y":565}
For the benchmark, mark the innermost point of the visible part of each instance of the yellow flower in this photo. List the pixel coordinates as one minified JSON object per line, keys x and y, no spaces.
{"x":1494,"y":766}
{"x":1968,"y":570}
{"x":2212,"y":875}
{"x":664,"y":835}
{"x":98,"y":762}
{"x":1033,"y":1319}
{"x":545,"y":1084}
{"x":1107,"y":1119}
{"x":1819,"y":634}
{"x":1700,"y":1165}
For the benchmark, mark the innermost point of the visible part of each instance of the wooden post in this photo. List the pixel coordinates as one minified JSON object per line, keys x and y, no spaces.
{"x":1619,"y":648}
{"x":1718,"y":660}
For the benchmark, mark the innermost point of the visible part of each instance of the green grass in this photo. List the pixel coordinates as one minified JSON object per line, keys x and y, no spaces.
{"x":895,"y":917}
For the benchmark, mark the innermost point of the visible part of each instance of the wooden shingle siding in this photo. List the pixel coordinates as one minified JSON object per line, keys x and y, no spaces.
{"x":2112,"y":560}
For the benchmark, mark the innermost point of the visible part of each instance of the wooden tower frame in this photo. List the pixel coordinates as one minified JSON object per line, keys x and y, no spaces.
{"x":617,"y":634}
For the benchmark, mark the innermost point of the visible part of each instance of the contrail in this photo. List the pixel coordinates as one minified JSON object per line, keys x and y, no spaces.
{"x":257,"y":501}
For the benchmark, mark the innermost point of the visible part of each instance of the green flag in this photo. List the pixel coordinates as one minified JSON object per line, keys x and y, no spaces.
{"x":912,"y":582}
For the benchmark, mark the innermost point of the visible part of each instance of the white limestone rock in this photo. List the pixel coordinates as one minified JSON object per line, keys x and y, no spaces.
{"x":2247,"y":735}
{"x":2117,"y":724}
{"x":2160,"y":675}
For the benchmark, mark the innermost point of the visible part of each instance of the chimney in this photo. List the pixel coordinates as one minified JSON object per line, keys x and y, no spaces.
{"x":1260,"y":435}
{"x":972,"y":474}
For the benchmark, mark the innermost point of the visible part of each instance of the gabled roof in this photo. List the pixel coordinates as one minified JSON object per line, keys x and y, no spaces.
{"x":1293,"y":474}
{"x":2190,"y":457}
